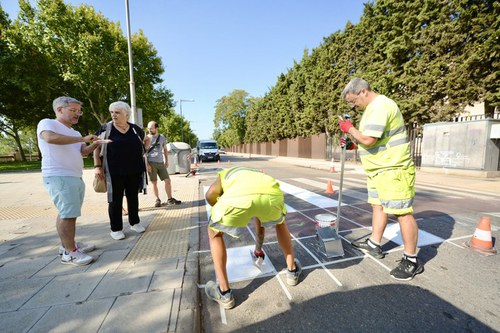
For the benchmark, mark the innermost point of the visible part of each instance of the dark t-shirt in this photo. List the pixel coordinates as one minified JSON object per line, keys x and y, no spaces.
{"x":125,"y":153}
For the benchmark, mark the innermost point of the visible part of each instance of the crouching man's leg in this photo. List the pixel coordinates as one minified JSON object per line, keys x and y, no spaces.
{"x":221,"y":293}
{"x":294,"y":268}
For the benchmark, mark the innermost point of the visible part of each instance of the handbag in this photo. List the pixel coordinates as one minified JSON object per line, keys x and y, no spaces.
{"x":99,"y":184}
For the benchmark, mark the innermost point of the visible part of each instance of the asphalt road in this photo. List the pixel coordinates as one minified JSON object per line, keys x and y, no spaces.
{"x":458,"y":291}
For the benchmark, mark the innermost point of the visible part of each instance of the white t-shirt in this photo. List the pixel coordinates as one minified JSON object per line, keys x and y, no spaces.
{"x":59,"y":160}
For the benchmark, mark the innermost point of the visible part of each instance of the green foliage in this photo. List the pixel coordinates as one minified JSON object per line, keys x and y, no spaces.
{"x":35,"y":165}
{"x":56,"y":49}
{"x":170,"y":127}
{"x":229,"y":119}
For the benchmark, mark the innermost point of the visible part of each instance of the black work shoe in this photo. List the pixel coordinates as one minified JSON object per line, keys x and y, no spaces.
{"x":406,"y":270}
{"x":172,"y":201}
{"x":158,"y":203}
{"x":365,"y":247}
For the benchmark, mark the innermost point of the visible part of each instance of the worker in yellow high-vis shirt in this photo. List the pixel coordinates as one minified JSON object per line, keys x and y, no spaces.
{"x":384,"y":150}
{"x":238,"y":195}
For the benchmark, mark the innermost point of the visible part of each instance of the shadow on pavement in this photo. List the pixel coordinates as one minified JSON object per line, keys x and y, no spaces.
{"x":386,"y":308}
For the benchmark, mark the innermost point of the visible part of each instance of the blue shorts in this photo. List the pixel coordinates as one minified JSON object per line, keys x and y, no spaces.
{"x":67,"y":193}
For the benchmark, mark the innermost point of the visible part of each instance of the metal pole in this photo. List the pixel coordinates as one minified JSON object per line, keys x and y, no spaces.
{"x":182,"y":119}
{"x":131,"y":67}
{"x":342,"y":162}
{"x":182,"y":123}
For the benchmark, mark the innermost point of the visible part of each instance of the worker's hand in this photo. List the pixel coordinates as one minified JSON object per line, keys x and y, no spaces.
{"x":347,"y":143}
{"x":345,"y":125}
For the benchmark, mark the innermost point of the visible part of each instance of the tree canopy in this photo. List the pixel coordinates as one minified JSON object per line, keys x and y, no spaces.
{"x":56,"y":49}
{"x":433,"y":57}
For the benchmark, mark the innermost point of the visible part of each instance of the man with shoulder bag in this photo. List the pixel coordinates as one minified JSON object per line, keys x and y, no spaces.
{"x":157,"y":164}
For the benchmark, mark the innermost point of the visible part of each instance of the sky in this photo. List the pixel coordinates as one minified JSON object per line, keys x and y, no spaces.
{"x":211,"y":47}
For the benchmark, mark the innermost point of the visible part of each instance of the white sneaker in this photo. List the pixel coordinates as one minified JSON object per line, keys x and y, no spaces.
{"x":82,"y":247}
{"x":117,"y":235}
{"x":138,"y":228}
{"x":76,"y":258}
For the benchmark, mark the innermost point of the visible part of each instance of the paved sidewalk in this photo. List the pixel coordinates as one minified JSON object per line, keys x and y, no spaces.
{"x":145,"y":283}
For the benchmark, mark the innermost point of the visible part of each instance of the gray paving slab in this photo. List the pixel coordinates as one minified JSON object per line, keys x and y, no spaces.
{"x":75,"y":317}
{"x":24,"y":267}
{"x":17,"y":291}
{"x":65,"y":289}
{"x":167,"y":279}
{"x":108,"y":260}
{"x":21,"y":321}
{"x":122,"y":282}
{"x":147,"y":312}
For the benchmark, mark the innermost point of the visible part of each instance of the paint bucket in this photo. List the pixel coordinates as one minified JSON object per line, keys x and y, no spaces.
{"x":325,"y":220}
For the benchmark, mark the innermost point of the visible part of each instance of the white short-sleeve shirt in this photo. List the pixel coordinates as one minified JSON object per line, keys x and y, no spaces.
{"x":59,"y":160}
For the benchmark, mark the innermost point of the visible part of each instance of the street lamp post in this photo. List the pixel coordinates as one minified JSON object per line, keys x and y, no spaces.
{"x":131,"y":67}
{"x":182,"y":120}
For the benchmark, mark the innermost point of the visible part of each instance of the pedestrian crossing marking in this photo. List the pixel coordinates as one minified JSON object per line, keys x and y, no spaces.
{"x":393,"y":233}
{"x":350,"y":193}
{"x":311,"y":197}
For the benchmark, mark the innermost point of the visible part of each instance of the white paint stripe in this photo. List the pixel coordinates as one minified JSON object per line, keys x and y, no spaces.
{"x":282,"y":284}
{"x":393,"y":233}
{"x":317,"y":260}
{"x":348,"y":180}
{"x":311,"y":197}
{"x":380,"y":263}
{"x":223,"y":314}
{"x":457,"y":245}
{"x":466,"y":192}
{"x":314,"y":183}
{"x":353,"y":194}
{"x":458,"y":238}
{"x":290,"y":209}
{"x":432,"y":188}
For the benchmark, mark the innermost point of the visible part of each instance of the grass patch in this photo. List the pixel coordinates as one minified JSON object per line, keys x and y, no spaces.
{"x":34,"y":165}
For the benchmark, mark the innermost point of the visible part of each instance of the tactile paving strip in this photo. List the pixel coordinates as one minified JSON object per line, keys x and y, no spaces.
{"x":21,"y":213}
{"x":27,"y":212}
{"x":167,"y":236}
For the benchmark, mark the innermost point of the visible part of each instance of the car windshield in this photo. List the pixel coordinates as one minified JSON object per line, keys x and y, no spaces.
{"x":209,"y":146}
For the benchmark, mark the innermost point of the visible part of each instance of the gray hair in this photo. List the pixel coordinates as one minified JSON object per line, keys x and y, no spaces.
{"x":355,"y":86}
{"x":120,"y":106}
{"x":63,"y":102}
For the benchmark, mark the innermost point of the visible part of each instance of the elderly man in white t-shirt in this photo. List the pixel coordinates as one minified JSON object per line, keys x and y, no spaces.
{"x":62,"y":148}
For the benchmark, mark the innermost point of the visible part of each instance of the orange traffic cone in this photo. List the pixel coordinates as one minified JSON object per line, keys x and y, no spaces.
{"x":481,"y":241}
{"x":195,"y":162}
{"x":332,"y":167}
{"x":218,"y":161}
{"x":329,"y":188}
